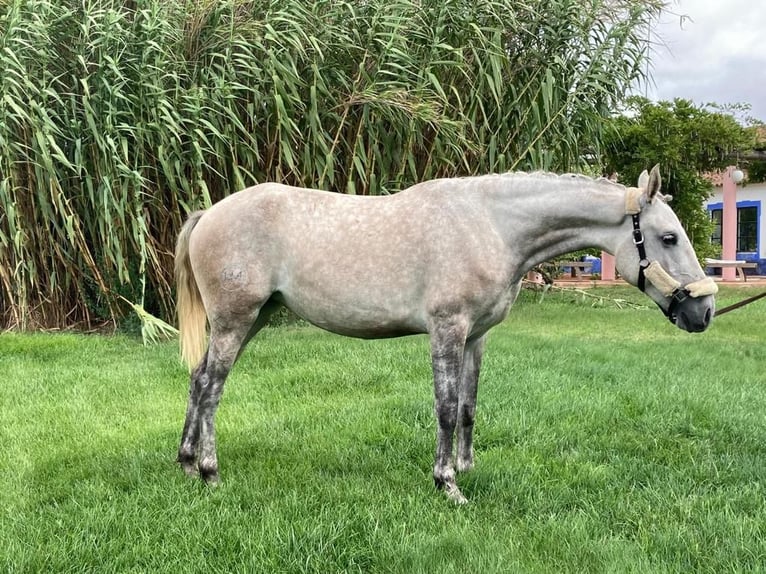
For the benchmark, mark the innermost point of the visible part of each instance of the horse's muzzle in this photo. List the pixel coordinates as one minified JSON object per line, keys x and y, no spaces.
{"x":694,"y":314}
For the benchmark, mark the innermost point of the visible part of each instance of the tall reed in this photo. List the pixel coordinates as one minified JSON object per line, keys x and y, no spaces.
{"x":118,"y":117}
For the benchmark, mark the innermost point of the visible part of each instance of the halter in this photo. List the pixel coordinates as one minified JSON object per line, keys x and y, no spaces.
{"x":653,"y":271}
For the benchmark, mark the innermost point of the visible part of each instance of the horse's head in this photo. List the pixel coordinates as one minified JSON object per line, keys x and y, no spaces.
{"x":659,"y":259}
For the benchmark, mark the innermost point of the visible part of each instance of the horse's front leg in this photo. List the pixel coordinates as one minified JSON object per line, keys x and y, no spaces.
{"x":469,"y":381}
{"x":447,"y":344}
{"x":187,"y":450}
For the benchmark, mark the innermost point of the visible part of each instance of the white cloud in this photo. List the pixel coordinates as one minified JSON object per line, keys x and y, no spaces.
{"x":716,"y":54}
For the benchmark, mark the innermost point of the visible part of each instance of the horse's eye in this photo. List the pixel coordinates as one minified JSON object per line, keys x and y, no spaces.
{"x":670,"y":239}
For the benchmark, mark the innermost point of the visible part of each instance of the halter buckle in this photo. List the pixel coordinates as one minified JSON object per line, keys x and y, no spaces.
{"x":638,"y":237}
{"x":680,"y":295}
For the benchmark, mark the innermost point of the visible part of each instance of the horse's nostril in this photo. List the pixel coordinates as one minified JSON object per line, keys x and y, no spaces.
{"x":708,"y":315}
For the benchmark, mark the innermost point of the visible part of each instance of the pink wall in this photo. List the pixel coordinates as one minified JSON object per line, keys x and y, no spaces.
{"x":729,"y":223}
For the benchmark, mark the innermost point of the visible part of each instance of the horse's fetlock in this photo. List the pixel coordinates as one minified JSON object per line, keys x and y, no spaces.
{"x":188,"y":464}
{"x":443,"y":476}
{"x":464,"y":463}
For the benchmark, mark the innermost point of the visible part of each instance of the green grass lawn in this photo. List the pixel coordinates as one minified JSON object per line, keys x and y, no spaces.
{"x":606,"y":441}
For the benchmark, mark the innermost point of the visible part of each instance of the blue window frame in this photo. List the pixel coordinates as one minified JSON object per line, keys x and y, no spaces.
{"x":748,"y":217}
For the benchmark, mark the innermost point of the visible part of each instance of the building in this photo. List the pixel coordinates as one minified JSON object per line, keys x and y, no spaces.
{"x":751,"y":222}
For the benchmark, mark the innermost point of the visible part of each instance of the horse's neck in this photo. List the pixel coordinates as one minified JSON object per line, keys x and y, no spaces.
{"x":544,"y":216}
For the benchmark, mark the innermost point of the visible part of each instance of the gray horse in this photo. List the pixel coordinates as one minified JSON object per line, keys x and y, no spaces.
{"x":444,"y":257}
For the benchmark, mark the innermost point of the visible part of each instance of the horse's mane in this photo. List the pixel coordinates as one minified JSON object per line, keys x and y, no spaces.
{"x":566,"y":177}
{"x":547,"y":175}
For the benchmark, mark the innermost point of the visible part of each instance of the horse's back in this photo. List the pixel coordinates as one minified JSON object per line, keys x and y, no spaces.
{"x":362,"y":266}
{"x":320,"y":228}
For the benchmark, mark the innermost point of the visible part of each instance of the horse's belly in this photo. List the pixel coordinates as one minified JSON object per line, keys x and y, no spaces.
{"x":381,"y":331}
{"x":352,"y":317}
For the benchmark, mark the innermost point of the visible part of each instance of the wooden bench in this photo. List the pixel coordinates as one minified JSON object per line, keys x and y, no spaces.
{"x":739,"y":265}
{"x":577,"y":268}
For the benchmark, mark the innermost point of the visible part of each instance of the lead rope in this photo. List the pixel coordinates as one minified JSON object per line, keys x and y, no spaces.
{"x":740,"y":304}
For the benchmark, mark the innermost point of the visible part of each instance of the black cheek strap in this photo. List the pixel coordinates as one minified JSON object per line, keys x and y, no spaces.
{"x":638,"y":241}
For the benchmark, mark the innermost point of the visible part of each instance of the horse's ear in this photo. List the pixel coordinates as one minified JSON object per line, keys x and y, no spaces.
{"x":653,"y":184}
{"x":643,"y":179}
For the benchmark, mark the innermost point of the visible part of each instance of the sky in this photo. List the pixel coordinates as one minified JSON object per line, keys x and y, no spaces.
{"x":711,"y":51}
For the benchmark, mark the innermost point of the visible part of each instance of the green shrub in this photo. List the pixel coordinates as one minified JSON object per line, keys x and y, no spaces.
{"x":118,"y":117}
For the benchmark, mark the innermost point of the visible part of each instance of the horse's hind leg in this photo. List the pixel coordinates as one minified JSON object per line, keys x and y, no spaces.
{"x":467,"y":403}
{"x":197,"y":449}
{"x":190,"y":436}
{"x":222,"y":353}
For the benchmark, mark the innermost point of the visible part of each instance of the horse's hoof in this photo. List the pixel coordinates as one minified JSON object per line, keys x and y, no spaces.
{"x":454,"y":494}
{"x":190,"y":470}
{"x":451,"y":490}
{"x":189,"y":467}
{"x":209,"y":476}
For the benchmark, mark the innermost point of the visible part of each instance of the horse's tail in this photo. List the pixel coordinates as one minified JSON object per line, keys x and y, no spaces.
{"x":189,"y":305}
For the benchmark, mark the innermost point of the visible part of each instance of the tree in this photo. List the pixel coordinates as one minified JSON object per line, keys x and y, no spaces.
{"x":756,"y":164}
{"x":687,"y":141}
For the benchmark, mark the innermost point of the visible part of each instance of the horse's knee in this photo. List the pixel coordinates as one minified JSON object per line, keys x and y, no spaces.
{"x":467,"y":415}
{"x":446,"y":415}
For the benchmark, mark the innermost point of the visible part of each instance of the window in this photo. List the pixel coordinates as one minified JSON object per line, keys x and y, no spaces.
{"x":716,"y":216}
{"x":747,"y":229}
